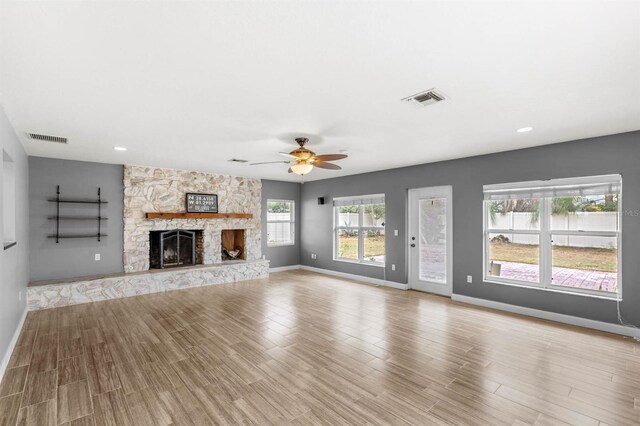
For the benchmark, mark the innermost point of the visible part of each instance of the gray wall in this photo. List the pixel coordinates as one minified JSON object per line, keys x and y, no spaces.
{"x":284,"y":255}
{"x":14,"y":268}
{"x":595,"y":156}
{"x":74,"y":257}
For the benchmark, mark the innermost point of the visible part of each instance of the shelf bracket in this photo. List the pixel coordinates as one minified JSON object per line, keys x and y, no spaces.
{"x":58,"y":214}
{"x":99,"y":213}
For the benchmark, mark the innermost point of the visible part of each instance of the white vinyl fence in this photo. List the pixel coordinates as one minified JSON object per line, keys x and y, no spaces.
{"x":351,"y":219}
{"x":579,"y":221}
{"x":278,"y":232}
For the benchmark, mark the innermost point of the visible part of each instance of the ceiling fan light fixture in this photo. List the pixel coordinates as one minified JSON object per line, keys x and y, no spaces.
{"x":302,"y":167}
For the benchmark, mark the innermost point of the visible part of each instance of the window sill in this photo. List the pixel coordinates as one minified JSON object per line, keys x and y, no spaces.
{"x":613,"y":298}
{"x":357,"y":262}
{"x":9,"y":244}
{"x":280,"y":245}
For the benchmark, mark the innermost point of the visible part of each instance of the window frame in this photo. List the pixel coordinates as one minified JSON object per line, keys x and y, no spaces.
{"x":361,"y":232}
{"x":291,"y":222}
{"x":9,"y":202}
{"x":546,"y":234}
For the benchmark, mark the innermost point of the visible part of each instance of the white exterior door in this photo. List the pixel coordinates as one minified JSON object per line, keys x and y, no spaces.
{"x":430,"y":232}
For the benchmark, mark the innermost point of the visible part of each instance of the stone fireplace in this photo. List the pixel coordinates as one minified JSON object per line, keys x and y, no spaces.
{"x":175,"y":248}
{"x":149,"y":189}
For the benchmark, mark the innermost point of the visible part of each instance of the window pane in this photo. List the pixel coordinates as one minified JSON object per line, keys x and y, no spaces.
{"x":348,"y":243}
{"x":432,"y":241}
{"x":373,"y":215}
{"x":589,"y":213}
{"x":374,"y":245}
{"x":521,"y":214}
{"x":348,"y":216}
{"x":514,"y":256}
{"x":586,"y":262}
{"x":9,"y":199}
{"x":279,"y":233}
{"x":279,"y":210}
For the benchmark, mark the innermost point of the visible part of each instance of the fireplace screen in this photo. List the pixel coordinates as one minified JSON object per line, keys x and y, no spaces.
{"x":170,"y":249}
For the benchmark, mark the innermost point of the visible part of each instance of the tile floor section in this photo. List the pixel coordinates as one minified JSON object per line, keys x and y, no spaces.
{"x":301,"y":348}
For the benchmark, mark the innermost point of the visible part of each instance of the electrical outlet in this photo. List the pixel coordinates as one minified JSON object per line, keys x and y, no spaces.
{"x":395,"y":232}
{"x":314,"y":256}
{"x":469,"y":279}
{"x":393,"y":267}
{"x":97,"y":256}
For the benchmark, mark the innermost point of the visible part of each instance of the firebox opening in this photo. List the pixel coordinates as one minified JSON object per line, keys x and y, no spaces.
{"x":175,"y":248}
{"x":233,"y":247}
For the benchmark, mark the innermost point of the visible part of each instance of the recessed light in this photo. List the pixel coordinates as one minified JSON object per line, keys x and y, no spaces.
{"x":524,"y":129}
{"x":119,"y":148}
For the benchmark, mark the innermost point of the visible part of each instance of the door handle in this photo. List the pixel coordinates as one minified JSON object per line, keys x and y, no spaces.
{"x":413,"y":245}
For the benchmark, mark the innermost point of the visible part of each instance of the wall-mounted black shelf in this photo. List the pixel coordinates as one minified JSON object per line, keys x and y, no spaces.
{"x":75,"y":218}
{"x":98,"y":201}
{"x":76,"y":201}
{"x":60,"y":236}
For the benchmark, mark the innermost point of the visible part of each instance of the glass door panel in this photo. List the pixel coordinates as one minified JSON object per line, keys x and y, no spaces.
{"x":432,"y":240}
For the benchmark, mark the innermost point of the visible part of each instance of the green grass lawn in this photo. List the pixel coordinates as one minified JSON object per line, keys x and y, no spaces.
{"x":373,"y":246}
{"x":586,"y":258}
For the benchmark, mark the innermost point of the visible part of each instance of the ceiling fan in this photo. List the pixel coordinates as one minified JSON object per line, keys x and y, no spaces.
{"x":304,"y":160}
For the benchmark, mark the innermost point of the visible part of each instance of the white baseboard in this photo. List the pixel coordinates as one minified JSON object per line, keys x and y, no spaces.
{"x":552,"y":316}
{"x":284,"y":268}
{"x":354,"y":277}
{"x":12,"y":344}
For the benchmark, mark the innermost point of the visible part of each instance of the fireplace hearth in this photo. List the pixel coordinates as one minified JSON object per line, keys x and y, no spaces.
{"x":175,"y":248}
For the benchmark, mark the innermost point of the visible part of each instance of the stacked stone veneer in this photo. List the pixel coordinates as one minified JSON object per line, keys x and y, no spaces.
{"x":151,"y":189}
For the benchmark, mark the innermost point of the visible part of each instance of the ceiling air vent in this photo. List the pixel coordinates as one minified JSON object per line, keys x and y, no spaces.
{"x":428,"y":97}
{"x":46,"y":138}
{"x":238,"y":160}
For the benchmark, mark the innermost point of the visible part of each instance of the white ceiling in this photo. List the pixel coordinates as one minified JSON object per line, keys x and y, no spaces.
{"x":192,"y":84}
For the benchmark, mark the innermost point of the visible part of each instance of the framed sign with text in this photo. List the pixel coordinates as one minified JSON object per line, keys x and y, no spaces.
{"x":202,"y":203}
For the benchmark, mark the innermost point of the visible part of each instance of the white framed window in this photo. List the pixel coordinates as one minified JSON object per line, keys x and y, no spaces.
{"x":8,"y":201}
{"x":280,"y":223}
{"x":559,"y":235}
{"x":358,"y":230}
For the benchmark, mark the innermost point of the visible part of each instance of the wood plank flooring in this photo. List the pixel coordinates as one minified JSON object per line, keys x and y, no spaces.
{"x":301,"y":348}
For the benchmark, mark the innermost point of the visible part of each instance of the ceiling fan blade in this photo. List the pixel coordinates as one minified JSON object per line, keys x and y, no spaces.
{"x":286,"y":154}
{"x":270,"y":162}
{"x":325,"y":165}
{"x":330,"y":157}
{"x":289,"y":171}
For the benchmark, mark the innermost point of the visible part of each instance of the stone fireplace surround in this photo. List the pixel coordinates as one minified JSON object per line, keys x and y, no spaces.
{"x":149,"y":189}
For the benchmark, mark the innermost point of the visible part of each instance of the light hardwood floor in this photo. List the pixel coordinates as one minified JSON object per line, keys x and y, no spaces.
{"x":303,"y":348}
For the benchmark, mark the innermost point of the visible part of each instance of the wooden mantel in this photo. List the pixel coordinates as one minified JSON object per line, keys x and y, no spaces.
{"x":198,"y":215}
